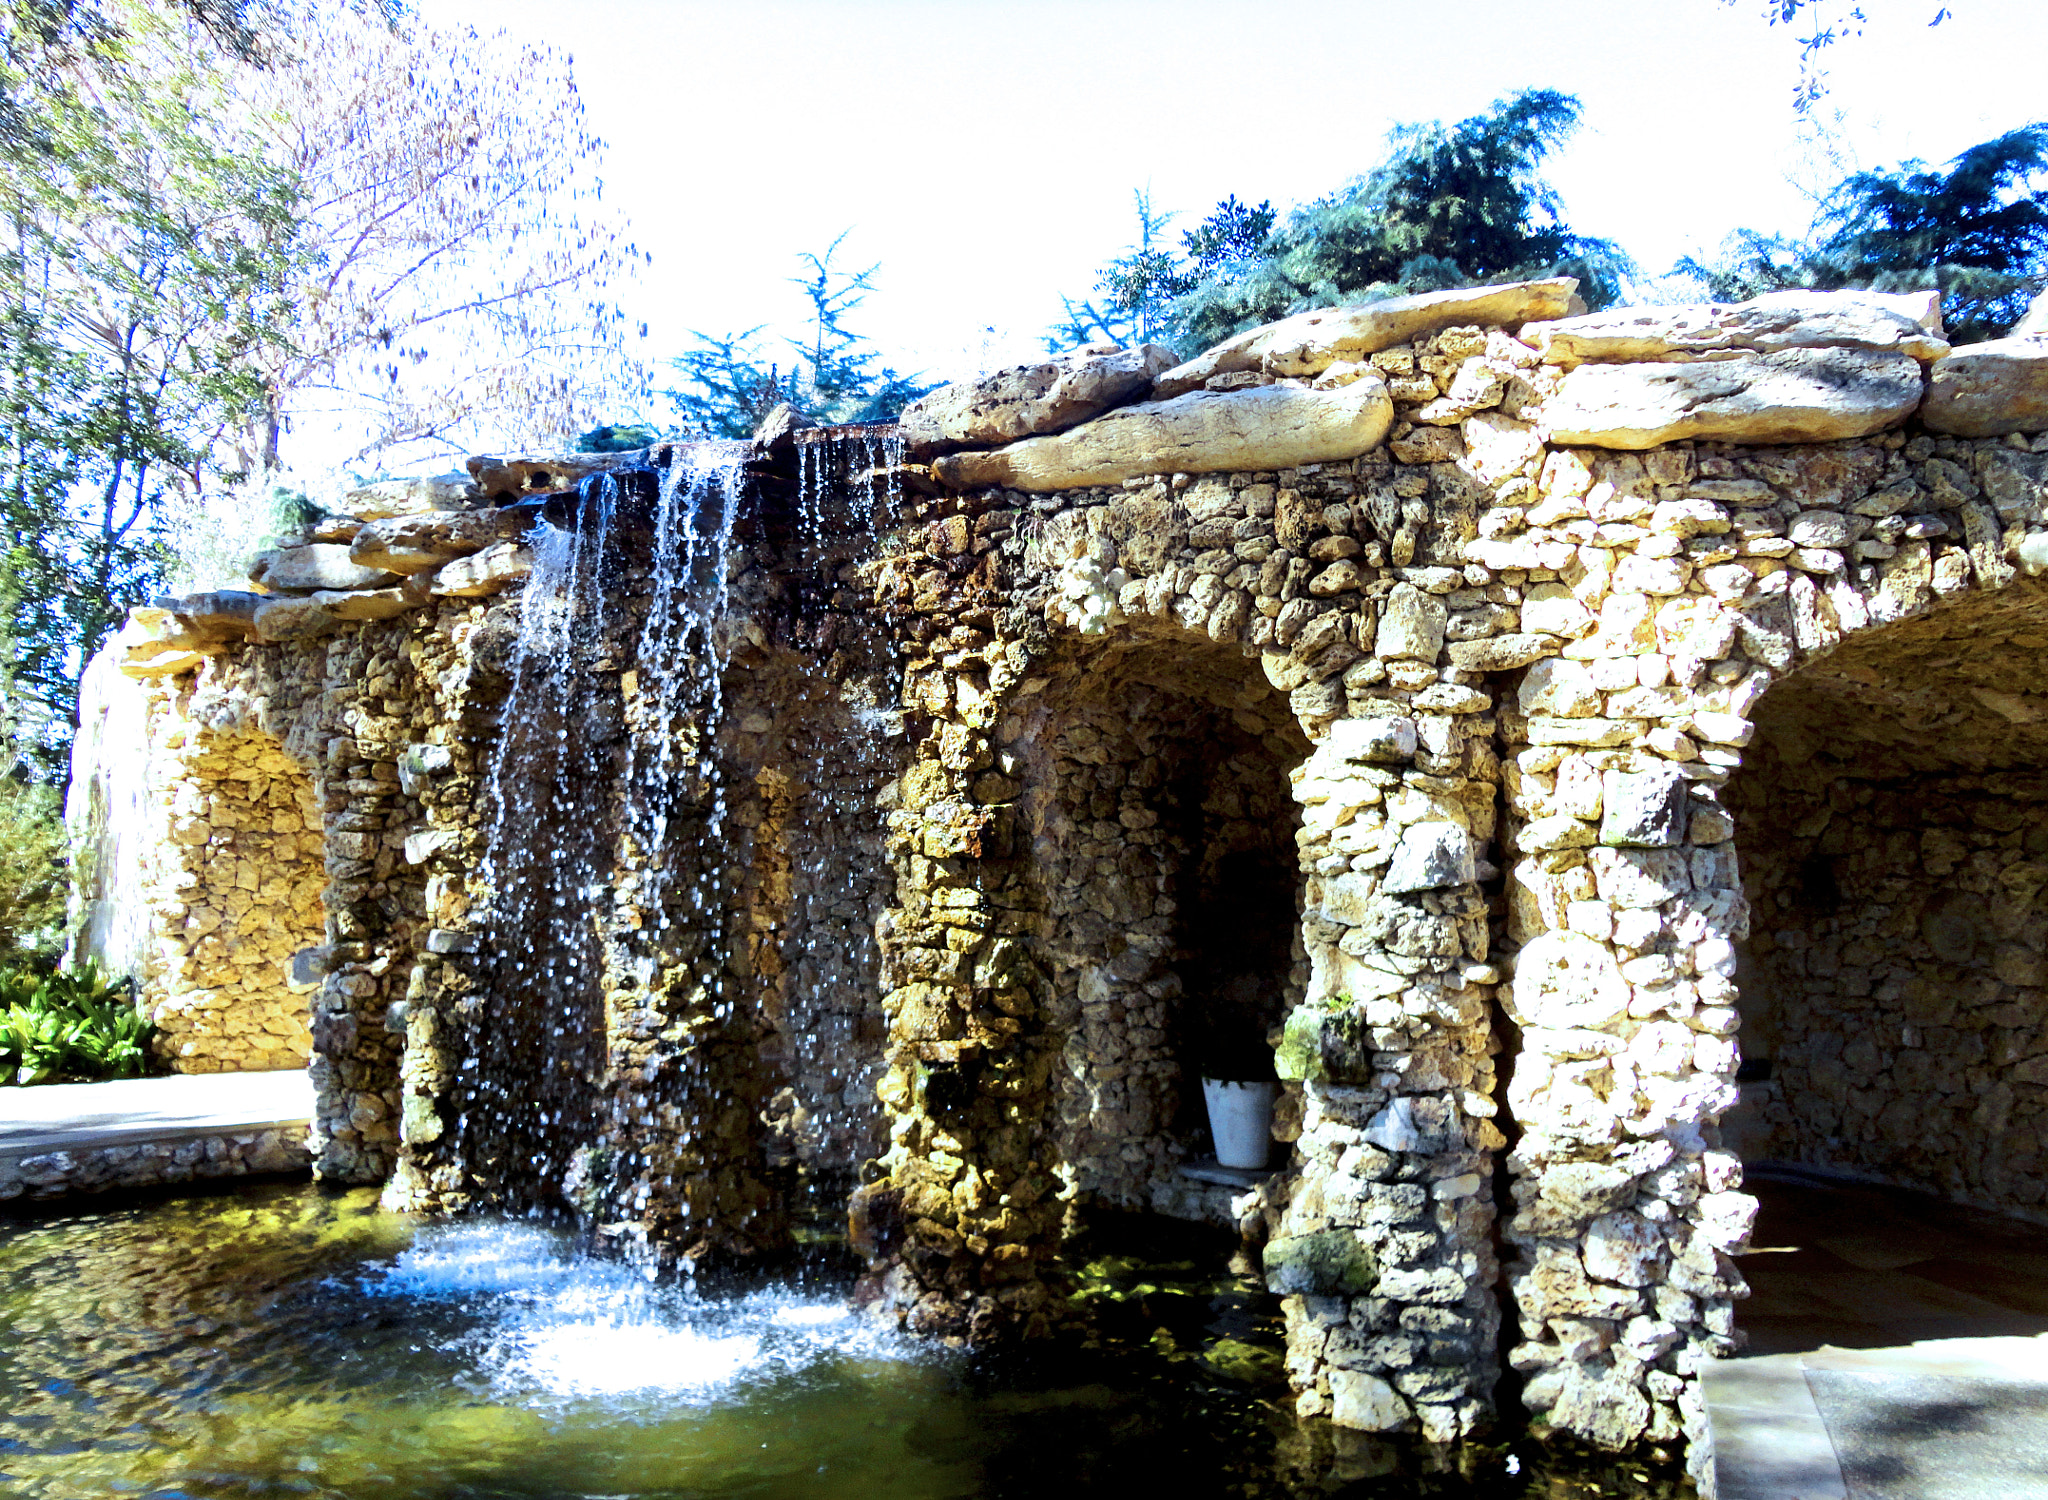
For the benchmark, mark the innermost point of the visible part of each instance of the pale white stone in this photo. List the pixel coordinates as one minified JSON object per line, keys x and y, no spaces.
{"x":1309,"y":343}
{"x":1796,"y":396}
{"x":1204,"y":432}
{"x":1567,"y":980}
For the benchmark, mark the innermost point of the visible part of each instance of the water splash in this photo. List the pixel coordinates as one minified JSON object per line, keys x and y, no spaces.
{"x":548,"y":1325}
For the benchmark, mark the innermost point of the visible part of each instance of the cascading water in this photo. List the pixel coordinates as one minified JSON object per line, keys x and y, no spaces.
{"x":654,"y":989}
{"x":525,"y":1100}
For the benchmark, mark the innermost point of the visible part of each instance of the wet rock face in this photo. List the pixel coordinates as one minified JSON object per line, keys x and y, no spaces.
{"x":1028,"y":400}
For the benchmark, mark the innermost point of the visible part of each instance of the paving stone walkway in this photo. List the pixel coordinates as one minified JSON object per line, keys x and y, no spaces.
{"x":1898,"y":1350}
{"x":87,"y":1116}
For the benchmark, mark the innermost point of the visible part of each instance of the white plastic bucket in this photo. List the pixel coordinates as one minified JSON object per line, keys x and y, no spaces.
{"x":1241,"y":1120}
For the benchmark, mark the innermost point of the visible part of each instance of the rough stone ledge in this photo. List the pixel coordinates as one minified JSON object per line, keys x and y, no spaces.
{"x":41,"y":1173}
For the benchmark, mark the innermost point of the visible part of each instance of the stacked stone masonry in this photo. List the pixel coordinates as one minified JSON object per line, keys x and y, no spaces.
{"x":1633,"y":689}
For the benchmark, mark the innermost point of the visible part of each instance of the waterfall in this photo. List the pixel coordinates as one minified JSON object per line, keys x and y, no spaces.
{"x":526,"y":1106}
{"x":616,"y":1058}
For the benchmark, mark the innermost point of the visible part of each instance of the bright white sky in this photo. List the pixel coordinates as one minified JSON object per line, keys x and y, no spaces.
{"x":984,"y":153}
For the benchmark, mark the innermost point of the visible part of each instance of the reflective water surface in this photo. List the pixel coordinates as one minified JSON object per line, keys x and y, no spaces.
{"x":283,"y":1340}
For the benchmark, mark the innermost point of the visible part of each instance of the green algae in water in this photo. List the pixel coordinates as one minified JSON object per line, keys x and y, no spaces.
{"x":283,"y":1340}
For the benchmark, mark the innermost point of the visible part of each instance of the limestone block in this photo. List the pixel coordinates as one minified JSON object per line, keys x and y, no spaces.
{"x":1429,"y":857}
{"x":1792,"y":396}
{"x":1623,"y":1248}
{"x":1563,"y":981}
{"x":1309,"y":343}
{"x":1365,"y":1402}
{"x":1370,"y":740}
{"x":323,"y":565}
{"x":1552,"y":609}
{"x":1990,"y":389}
{"x":413,"y":544}
{"x":490,"y":571}
{"x":1560,"y":689}
{"x":1644,"y":809}
{"x":295,"y":618}
{"x":1411,"y":626}
{"x":365,"y":604}
{"x":1500,"y":653}
{"x":1027,"y":400}
{"x":411,"y":497}
{"x":229,"y":613}
{"x":1270,"y":427}
{"x":1640,"y":879}
{"x":1764,"y":325}
{"x":2035,"y":321}
{"x":153,"y":644}
{"x":1497,"y":447}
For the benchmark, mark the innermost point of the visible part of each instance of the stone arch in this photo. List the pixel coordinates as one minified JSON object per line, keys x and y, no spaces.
{"x":1757,"y":577}
{"x":1161,"y":827}
{"x":810,"y":754}
{"x":230,"y":987}
{"x":200,"y":842}
{"x":1892,"y":818}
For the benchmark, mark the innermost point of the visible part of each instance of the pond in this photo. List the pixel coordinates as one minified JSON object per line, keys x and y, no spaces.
{"x":283,"y":1339}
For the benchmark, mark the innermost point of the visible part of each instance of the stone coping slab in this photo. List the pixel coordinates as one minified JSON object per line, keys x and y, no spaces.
{"x":85,"y":1116}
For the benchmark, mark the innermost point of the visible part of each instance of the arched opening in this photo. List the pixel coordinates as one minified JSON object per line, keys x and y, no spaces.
{"x":1892,"y":821}
{"x":1156,"y":799}
{"x":809,"y":754}
{"x":243,"y":868}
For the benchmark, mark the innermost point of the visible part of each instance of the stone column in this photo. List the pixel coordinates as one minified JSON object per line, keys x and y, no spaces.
{"x":1625,"y":903}
{"x":1383,"y":1251}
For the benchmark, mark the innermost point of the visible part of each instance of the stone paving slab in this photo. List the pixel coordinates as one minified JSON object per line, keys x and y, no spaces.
{"x":86,"y":1116}
{"x":1945,"y":1419}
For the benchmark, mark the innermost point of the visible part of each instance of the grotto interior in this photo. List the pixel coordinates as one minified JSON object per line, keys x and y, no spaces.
{"x":1895,"y":856}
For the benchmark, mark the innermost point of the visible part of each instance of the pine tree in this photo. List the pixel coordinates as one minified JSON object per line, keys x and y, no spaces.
{"x":1977,"y":231}
{"x":837,"y":375}
{"x":1453,"y":205}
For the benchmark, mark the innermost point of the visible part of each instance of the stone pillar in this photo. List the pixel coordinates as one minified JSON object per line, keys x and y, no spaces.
{"x":961,"y":1213}
{"x":1383,"y":1251}
{"x":1625,"y":903}
{"x":372,"y":903}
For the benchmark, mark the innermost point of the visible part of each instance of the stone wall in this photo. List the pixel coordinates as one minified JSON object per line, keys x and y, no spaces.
{"x":1536,"y":636}
{"x":40,"y":1174}
{"x":222,"y":881}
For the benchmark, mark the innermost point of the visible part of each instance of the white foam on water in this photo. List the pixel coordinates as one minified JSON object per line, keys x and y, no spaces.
{"x":553,"y":1325}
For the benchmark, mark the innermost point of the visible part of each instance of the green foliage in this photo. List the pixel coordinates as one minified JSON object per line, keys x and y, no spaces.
{"x":32,"y":871}
{"x":1978,"y":231}
{"x":143,"y":250}
{"x":623,"y":439}
{"x":1453,"y":205}
{"x":75,"y":1026}
{"x":728,"y":385}
{"x":1827,"y":22}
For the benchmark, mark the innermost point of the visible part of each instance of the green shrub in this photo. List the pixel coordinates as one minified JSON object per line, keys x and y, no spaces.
{"x":32,"y":883}
{"x":70,"y":1027}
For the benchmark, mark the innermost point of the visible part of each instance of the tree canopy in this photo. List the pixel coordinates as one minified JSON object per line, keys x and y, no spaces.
{"x":1452,"y":205}
{"x":1976,"y":228}
{"x":730,"y":382}
{"x":218,"y":216}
